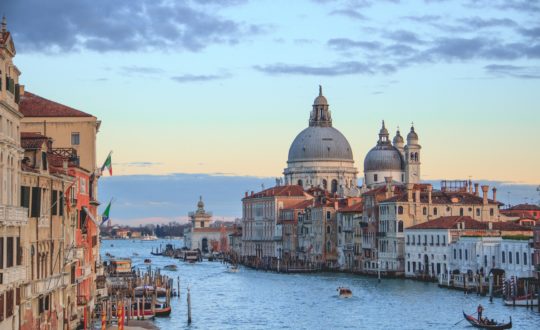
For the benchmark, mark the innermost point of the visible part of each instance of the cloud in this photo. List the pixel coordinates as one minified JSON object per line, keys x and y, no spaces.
{"x":187,"y":78}
{"x":337,"y":69}
{"x":138,"y":164}
{"x":531,"y":33}
{"x":479,"y":23}
{"x":404,"y":37}
{"x":144,"y":70}
{"x":121,"y":25}
{"x":505,"y":70}
{"x":422,"y":18}
{"x":351,"y":13}
{"x":347,"y":44}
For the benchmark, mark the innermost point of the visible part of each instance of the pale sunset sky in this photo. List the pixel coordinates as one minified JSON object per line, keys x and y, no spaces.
{"x":224,"y":86}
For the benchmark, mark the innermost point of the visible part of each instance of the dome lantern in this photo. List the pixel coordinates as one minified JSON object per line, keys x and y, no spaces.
{"x":320,"y":115}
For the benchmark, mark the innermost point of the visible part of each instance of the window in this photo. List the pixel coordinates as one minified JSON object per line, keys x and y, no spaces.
{"x":444,"y":240}
{"x":461,"y":211}
{"x":300,"y":183}
{"x":460,"y":254}
{"x":400,"y":209}
{"x":75,"y":138}
{"x":202,"y":224}
{"x":328,"y":229}
{"x":324,"y":184}
{"x":375,"y":177}
{"x":44,"y":160}
{"x":435,"y":211}
{"x":35,"y":211}
{"x":485,"y":261}
{"x":407,"y":239}
{"x":334,"y":186}
{"x":1,"y":256}
{"x":477,"y":212}
{"x":438,"y":240}
{"x":509,"y":257}
{"x":54,"y":202}
{"x":466,"y":254}
{"x":9,"y":249}
{"x":503,"y":257}
{"x":517,"y":258}
{"x":25,"y":196}
{"x":491,"y":212}
{"x":328,"y":215}
{"x":400,"y":226}
{"x":413,"y":239}
{"x":419,"y":241}
{"x":525,"y":258}
{"x":431,"y":240}
{"x":18,"y":250}
{"x":424,"y":211}
{"x":1,"y":307}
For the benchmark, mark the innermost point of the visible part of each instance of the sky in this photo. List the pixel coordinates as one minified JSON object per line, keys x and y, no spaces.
{"x":222,"y":87}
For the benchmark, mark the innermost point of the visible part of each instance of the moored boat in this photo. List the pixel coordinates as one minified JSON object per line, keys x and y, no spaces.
{"x":344,"y":292}
{"x":528,"y":300}
{"x":170,"y":267}
{"x":233,"y":269}
{"x":147,"y":261}
{"x":487,"y":324}
{"x":149,"y":290}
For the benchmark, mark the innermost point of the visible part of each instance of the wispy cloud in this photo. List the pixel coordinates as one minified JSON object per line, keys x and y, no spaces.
{"x":505,"y":70}
{"x":187,"y":78}
{"x":337,"y":69}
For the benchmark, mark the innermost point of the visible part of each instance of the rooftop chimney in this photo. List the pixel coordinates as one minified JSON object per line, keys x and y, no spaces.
{"x":470,"y":186}
{"x":494,"y":194}
{"x":476,"y":192}
{"x":485,"y":190}
{"x":409,"y":192}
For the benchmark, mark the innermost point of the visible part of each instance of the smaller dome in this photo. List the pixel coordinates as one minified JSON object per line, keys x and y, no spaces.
{"x":398,"y":139}
{"x":384,"y":158}
{"x":320,"y":99}
{"x":412,"y":136}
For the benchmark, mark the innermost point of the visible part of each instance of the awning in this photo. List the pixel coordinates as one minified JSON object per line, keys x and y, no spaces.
{"x":90,"y":215}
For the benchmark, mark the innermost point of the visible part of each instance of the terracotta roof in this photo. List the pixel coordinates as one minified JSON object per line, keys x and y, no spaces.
{"x":443,"y":197}
{"x":32,"y":141}
{"x":524,"y":207}
{"x":450,"y":222}
{"x":32,"y":105}
{"x":355,"y":208}
{"x":290,"y":190}
{"x":301,"y":205}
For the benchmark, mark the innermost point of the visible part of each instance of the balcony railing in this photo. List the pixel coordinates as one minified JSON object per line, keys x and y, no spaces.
{"x":13,"y":216}
{"x":45,"y":285}
{"x":12,"y":275}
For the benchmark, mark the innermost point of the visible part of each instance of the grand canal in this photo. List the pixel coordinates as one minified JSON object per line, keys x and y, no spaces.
{"x":262,"y":300}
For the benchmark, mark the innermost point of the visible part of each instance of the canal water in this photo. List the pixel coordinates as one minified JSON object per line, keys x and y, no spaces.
{"x":253,"y":299}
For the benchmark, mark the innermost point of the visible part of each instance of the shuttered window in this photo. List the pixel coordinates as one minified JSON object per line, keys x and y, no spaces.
{"x":19,"y":251}
{"x":25,"y":196}
{"x":9,"y":303}
{"x":61,"y":203}
{"x":9,"y":250}
{"x":54,"y":202}
{"x":36,"y":202}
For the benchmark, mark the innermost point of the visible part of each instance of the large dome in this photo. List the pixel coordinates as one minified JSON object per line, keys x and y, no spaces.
{"x":384,"y":157}
{"x":317,"y":143}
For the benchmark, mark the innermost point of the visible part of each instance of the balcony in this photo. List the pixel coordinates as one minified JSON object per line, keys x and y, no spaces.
{"x":48,"y":284}
{"x":12,"y":275}
{"x":13,"y":216}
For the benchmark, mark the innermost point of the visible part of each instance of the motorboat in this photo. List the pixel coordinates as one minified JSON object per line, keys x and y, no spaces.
{"x":344,"y":292}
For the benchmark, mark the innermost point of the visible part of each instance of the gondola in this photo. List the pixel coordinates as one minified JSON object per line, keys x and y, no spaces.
{"x":497,"y":326}
{"x":156,"y":253}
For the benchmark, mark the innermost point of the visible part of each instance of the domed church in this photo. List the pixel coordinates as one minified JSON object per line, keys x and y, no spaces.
{"x":393,"y":159}
{"x":320,"y":156}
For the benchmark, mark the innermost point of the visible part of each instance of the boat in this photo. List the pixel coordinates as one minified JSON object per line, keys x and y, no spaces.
{"x":528,"y":300}
{"x":494,"y":325}
{"x":149,"y":290}
{"x":135,"y":254}
{"x":170,"y":267}
{"x":344,"y":292}
{"x":147,"y":261}
{"x":149,"y":237}
{"x":233,"y":269}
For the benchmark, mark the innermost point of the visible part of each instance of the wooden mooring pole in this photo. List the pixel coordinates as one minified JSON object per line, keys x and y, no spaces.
{"x":188,"y":307}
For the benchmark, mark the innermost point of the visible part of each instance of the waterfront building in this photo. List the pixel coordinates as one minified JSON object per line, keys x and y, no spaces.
{"x":287,"y":229}
{"x":50,"y":297}
{"x":349,"y":240}
{"x":320,"y":155}
{"x":419,"y":203}
{"x":203,"y":235}
{"x":462,"y":245}
{"x":536,"y":247}
{"x":260,"y":215}
{"x":14,"y":256}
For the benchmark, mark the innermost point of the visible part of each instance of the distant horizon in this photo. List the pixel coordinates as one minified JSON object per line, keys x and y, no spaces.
{"x":157,"y":199}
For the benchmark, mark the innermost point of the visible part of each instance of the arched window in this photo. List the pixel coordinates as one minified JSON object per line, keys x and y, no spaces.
{"x":400,"y":209}
{"x":424,"y":211}
{"x":328,"y":246}
{"x":324,"y":184}
{"x":477,"y":212}
{"x":400,"y":226}
{"x":328,"y":229}
{"x":300,"y":183}
{"x":334,"y":186}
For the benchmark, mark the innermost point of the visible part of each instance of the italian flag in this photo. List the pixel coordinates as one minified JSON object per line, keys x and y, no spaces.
{"x":107,"y":164}
{"x":105,"y":215}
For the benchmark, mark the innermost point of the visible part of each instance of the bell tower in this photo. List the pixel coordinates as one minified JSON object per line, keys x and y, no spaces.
{"x":412,"y":157}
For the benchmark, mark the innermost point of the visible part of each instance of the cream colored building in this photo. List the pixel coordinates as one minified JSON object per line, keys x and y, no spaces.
{"x":68,"y":127}
{"x":14,"y":267}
